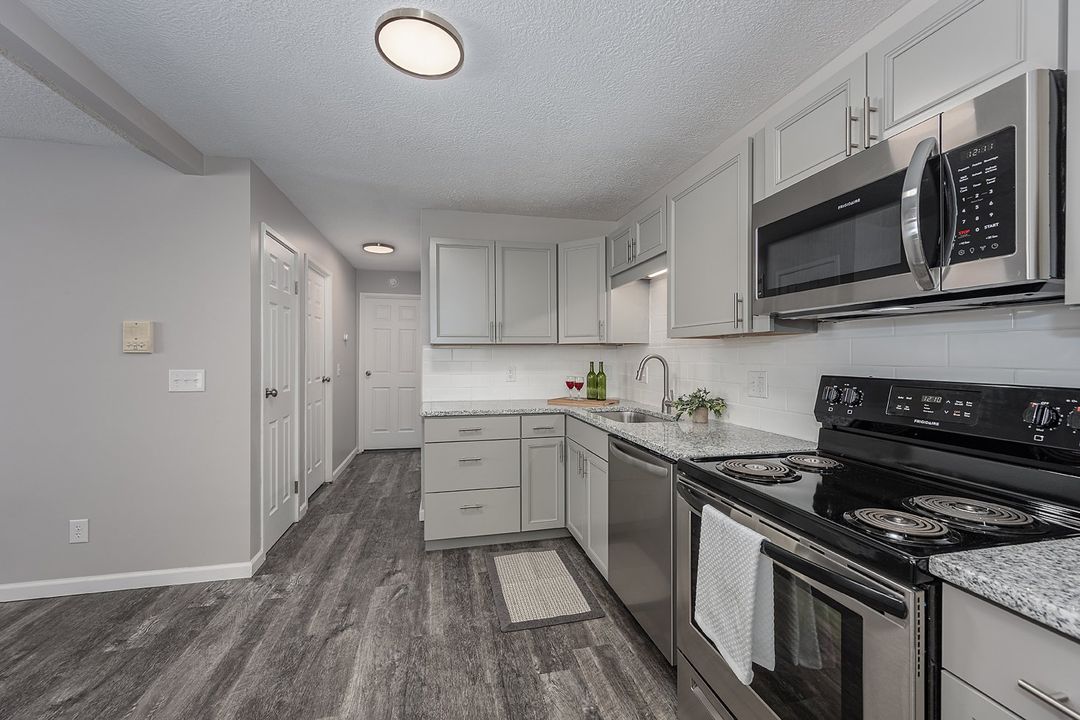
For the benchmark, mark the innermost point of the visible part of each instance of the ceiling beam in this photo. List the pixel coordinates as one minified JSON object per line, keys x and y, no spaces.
{"x":29,"y":42}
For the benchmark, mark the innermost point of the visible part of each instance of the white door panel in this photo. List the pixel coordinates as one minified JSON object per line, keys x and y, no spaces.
{"x":391,"y":372}
{"x":317,"y":374}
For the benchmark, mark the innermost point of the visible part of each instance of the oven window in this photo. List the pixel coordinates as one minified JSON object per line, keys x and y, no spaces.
{"x":819,"y":642}
{"x":852,"y":237}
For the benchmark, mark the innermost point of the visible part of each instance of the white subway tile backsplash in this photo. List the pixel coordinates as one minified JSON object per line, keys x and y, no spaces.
{"x":1040,"y":350}
{"x":916,"y":350}
{"x":1051,"y":378}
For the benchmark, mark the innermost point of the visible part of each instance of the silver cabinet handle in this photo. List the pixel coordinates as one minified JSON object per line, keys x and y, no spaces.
{"x":601,"y":331}
{"x":470,"y":507}
{"x":1055,"y":700}
{"x":543,"y":427}
{"x":499,"y":331}
{"x":867,"y":109}
{"x":847,"y":131}
{"x":562,"y":453}
{"x":910,"y":225}
{"x":474,"y":459}
{"x":469,"y":429}
{"x":737,"y":310}
{"x":491,"y":330}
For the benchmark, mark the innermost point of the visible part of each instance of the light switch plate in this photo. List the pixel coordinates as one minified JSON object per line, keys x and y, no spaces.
{"x":187,"y":380}
{"x":138,"y":336}
{"x":758,"y":381}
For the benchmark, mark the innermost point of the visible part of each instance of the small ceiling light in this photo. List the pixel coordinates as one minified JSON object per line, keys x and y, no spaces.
{"x":378,"y":248}
{"x":419,"y":43}
{"x":658,"y":273}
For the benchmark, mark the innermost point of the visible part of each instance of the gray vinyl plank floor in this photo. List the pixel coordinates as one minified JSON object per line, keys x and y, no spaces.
{"x":348,"y":618}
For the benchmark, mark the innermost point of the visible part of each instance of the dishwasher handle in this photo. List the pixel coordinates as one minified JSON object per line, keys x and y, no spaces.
{"x":639,"y":459}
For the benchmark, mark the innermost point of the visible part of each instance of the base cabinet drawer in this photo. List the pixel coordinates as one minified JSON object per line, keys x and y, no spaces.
{"x":960,"y":701}
{"x":472,"y":465}
{"x":537,"y":426}
{"x":470,"y":513}
{"x":471,"y":427}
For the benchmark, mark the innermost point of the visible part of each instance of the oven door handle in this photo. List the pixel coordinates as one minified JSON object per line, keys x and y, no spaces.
{"x":870,"y":596}
{"x":910,"y":221}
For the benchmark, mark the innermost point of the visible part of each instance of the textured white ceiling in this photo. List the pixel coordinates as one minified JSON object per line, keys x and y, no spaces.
{"x":30,"y":110}
{"x":565,"y":108}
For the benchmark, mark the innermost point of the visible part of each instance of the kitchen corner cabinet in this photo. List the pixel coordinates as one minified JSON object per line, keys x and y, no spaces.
{"x":819,"y":129}
{"x":596,"y":480}
{"x":590,"y":312}
{"x":587,"y":490}
{"x":526,"y":308}
{"x":952,"y":50}
{"x":708,"y":249}
{"x":642,"y":240}
{"x":462,"y":291}
{"x":543,"y":483}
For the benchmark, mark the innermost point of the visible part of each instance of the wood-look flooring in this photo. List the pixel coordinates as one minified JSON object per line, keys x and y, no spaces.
{"x":348,"y":618}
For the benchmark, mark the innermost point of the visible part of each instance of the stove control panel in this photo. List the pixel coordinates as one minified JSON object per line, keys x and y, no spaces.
{"x":1038,"y":416}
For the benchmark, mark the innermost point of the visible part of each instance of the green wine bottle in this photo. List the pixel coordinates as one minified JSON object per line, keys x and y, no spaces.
{"x":601,"y":383}
{"x":590,"y":382}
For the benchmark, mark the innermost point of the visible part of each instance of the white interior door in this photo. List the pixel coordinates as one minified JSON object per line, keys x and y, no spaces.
{"x":391,"y":371}
{"x":317,"y":375}
{"x":280,"y":439}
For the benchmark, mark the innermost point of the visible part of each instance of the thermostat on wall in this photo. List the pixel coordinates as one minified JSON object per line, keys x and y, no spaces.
{"x":138,"y":336}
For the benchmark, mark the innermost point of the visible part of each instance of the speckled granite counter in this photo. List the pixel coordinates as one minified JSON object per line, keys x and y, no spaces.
{"x":673,"y":440}
{"x":1040,"y":581}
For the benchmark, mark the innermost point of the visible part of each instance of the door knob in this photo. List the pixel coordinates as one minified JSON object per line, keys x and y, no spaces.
{"x":367,"y":373}
{"x":326,"y":378}
{"x":271,"y":392}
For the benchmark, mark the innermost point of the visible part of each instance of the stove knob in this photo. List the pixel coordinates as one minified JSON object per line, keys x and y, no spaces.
{"x":1040,"y":416}
{"x":830,"y":394}
{"x":851,"y":396}
{"x":1073,"y":421}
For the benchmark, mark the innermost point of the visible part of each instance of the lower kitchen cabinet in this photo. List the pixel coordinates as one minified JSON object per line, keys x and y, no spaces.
{"x":469,"y":513}
{"x":577,"y":493}
{"x":543,"y":483}
{"x":587,"y":503}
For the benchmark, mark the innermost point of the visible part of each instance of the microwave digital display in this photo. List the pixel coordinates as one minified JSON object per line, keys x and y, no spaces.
{"x":983,"y":183}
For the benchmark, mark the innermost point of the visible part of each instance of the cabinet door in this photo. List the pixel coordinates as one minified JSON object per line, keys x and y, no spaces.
{"x":959,"y":48}
{"x":526,"y":304}
{"x":708,"y":251}
{"x":596,"y":477}
{"x":577,"y":494}
{"x":462,"y":291}
{"x":619,"y":244}
{"x":820,"y":129}
{"x":582,"y":291}
{"x":543,"y":486}
{"x":649,"y":238}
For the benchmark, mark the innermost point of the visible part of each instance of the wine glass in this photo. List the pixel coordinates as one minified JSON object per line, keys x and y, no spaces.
{"x":570,"y":385}
{"x":579,"y":382}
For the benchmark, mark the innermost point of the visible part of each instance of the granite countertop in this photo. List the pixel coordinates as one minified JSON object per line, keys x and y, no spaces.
{"x":673,"y":440}
{"x":1040,"y":581}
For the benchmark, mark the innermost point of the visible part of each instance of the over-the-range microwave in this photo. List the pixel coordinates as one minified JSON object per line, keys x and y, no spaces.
{"x":965,"y":209}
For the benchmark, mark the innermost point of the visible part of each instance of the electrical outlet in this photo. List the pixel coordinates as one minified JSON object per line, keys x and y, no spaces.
{"x":758,"y":381}
{"x":78,"y":531}
{"x":511,"y":374}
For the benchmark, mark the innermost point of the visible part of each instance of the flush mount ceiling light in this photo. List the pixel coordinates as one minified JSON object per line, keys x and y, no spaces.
{"x":419,"y":43}
{"x":378,"y":248}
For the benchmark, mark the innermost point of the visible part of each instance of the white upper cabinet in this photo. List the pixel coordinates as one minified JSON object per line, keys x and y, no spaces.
{"x":619,"y":244}
{"x":956,"y":49}
{"x":462,"y":291}
{"x":582,"y":291}
{"x":709,"y":242}
{"x":650,"y":238}
{"x":815,"y":131}
{"x":526,"y":294}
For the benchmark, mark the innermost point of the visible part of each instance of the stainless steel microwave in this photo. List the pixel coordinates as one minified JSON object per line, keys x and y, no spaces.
{"x":965,"y":209}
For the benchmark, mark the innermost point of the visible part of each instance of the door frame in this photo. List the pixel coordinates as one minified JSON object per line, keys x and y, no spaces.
{"x":360,"y":386}
{"x":311,"y":265}
{"x":264,"y":231}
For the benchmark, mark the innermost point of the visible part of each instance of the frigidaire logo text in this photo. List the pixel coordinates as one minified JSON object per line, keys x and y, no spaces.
{"x":933,"y":423}
{"x":849,"y":203}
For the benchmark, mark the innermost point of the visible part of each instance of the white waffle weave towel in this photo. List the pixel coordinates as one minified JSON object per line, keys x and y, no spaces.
{"x":733,"y":600}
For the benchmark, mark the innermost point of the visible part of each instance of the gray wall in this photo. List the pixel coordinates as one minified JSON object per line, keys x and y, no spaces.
{"x":93,"y":236}
{"x":379,"y":281}
{"x":270,"y":205}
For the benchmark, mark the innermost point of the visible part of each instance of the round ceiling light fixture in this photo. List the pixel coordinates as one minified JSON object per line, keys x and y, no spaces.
{"x":419,"y":43}
{"x":378,"y":248}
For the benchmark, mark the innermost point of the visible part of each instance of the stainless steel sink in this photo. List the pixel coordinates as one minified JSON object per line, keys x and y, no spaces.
{"x":631,"y":416}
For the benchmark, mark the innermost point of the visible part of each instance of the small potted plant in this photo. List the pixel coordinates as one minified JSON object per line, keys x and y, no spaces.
{"x":698,"y":404}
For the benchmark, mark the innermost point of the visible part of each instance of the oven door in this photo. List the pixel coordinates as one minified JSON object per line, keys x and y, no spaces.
{"x":848,"y":644}
{"x":866,"y":230}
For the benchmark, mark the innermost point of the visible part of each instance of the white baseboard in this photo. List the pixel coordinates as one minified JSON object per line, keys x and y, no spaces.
{"x":345,"y":463}
{"x":257,"y":561}
{"x":128,"y":581}
{"x":421,"y":514}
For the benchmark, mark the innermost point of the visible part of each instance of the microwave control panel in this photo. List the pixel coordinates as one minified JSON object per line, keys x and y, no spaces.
{"x":984,"y":180}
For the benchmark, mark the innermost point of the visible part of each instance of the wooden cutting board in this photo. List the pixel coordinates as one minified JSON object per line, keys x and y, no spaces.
{"x":582,"y":403}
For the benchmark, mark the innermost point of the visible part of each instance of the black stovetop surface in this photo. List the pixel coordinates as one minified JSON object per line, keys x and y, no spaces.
{"x":815,"y":506}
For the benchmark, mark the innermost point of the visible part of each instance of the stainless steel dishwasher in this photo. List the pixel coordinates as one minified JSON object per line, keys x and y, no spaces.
{"x":640,"y":532}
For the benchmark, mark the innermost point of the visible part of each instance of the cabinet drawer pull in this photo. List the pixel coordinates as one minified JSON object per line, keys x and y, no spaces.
{"x":1055,"y":700}
{"x":470,"y":507}
{"x":867,"y":109}
{"x":470,"y":429}
{"x":543,"y":427}
{"x":473,"y":459}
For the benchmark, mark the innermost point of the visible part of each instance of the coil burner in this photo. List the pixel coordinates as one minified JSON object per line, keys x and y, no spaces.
{"x":976,"y":515}
{"x":897,"y":526}
{"x":813,"y":463}
{"x":765,"y":472}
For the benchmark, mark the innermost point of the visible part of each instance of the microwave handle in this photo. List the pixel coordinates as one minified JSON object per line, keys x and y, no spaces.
{"x":910,"y":229}
{"x":871,"y":597}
